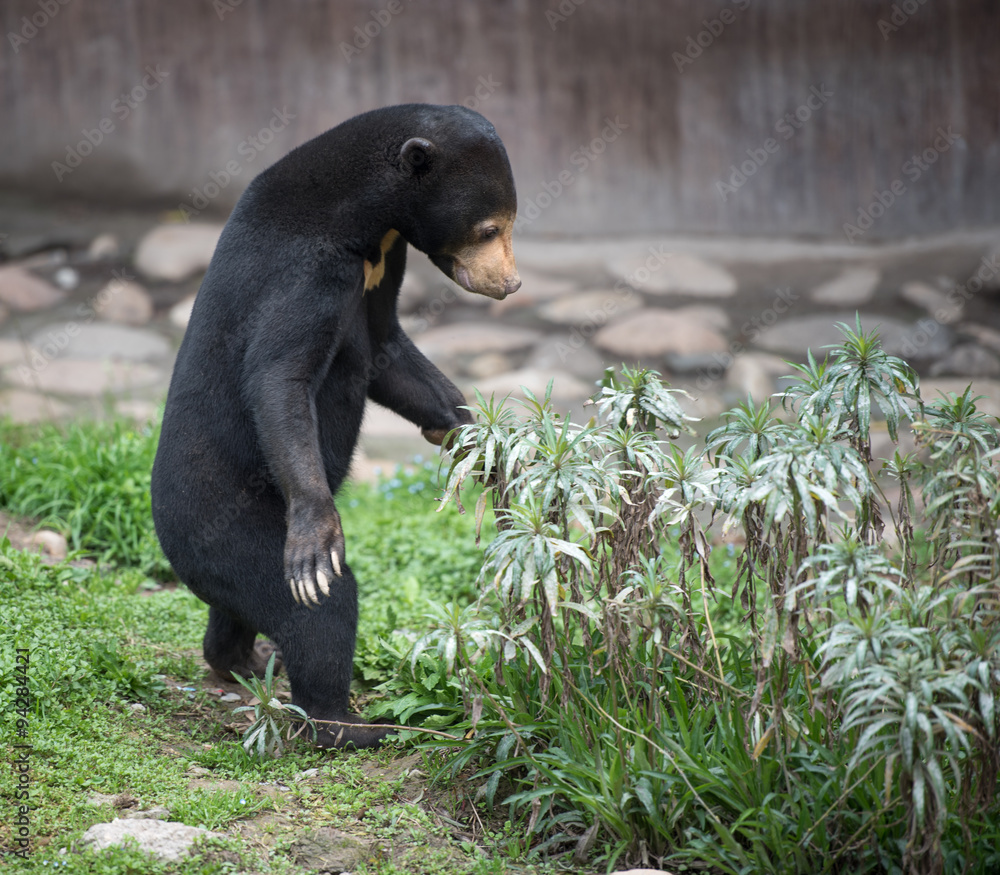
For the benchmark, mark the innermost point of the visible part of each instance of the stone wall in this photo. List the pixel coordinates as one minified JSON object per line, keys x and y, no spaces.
{"x":621,"y":116}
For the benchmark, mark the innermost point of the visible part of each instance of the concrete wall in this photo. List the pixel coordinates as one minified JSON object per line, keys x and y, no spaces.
{"x":637,"y":109}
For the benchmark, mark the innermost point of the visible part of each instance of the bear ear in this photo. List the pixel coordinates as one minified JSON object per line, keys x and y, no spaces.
{"x":417,"y":153}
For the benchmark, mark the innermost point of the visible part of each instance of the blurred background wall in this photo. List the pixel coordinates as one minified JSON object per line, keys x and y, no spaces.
{"x":182,"y":102}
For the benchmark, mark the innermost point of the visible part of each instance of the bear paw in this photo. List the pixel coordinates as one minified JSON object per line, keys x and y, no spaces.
{"x":314,"y":556}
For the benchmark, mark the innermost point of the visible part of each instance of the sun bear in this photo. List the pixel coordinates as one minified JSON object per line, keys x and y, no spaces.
{"x":293,"y":330}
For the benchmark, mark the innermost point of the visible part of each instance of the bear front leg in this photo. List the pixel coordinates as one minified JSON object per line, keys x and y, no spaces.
{"x":410,"y":385}
{"x":281,"y":393}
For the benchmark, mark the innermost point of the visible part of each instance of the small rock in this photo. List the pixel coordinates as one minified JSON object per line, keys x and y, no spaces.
{"x":653,"y":334}
{"x":21,"y":406}
{"x":99,"y":341}
{"x":176,"y":252}
{"x":330,"y":850}
{"x":66,"y":278}
{"x":935,"y":302}
{"x":50,"y":544}
{"x":124,"y":302}
{"x":137,"y":707}
{"x":180,"y":313}
{"x":167,"y":841}
{"x":88,"y":378}
{"x":102,"y":247}
{"x":853,"y":286}
{"x":25,"y":292}
{"x":564,"y":386}
{"x":489,"y":364}
{"x":472,"y":338}
{"x":658,"y":272}
{"x":967,"y":360}
{"x":231,"y":697}
{"x":589,"y":308}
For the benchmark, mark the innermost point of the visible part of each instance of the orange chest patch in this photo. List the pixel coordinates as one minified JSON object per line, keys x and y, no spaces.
{"x":374,"y":273}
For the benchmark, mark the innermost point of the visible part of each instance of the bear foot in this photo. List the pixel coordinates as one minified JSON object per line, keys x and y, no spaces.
{"x":255,"y":664}
{"x":349,"y":731}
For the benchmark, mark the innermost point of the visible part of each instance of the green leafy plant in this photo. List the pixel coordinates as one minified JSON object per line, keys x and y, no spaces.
{"x":273,"y":721}
{"x":825,"y":704}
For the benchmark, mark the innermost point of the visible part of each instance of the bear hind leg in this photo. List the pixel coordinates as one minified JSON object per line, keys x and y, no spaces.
{"x":232,"y":649}
{"x":317,"y":644}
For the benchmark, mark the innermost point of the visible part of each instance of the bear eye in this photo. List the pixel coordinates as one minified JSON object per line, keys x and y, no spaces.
{"x":490,"y":232}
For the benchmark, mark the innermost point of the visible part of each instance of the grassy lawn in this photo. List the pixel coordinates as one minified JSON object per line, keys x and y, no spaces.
{"x":124,"y":716}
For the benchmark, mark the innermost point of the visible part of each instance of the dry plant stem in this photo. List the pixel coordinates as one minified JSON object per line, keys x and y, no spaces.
{"x":392,"y":726}
{"x":708,"y":620}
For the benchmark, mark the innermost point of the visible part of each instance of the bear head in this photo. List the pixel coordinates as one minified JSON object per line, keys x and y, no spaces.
{"x":462,"y":197}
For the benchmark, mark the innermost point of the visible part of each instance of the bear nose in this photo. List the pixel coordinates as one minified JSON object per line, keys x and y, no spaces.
{"x":511,"y":284}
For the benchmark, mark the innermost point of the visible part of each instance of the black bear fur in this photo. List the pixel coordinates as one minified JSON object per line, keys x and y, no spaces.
{"x":293,"y":330}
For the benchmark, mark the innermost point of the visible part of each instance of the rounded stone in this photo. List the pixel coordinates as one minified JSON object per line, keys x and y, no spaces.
{"x":596,"y":308}
{"x":50,"y":544}
{"x":90,"y":378}
{"x":97,"y":340}
{"x":473,"y":338}
{"x":24,"y":292}
{"x":564,"y":386}
{"x":658,"y":272}
{"x":180,"y":313}
{"x":927,"y":339}
{"x":163,"y":839}
{"x":855,"y":285}
{"x":124,"y":302}
{"x":654,"y":333}
{"x":176,"y":252}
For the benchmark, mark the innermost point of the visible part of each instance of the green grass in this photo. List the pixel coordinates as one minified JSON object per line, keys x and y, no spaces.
{"x":105,"y":639}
